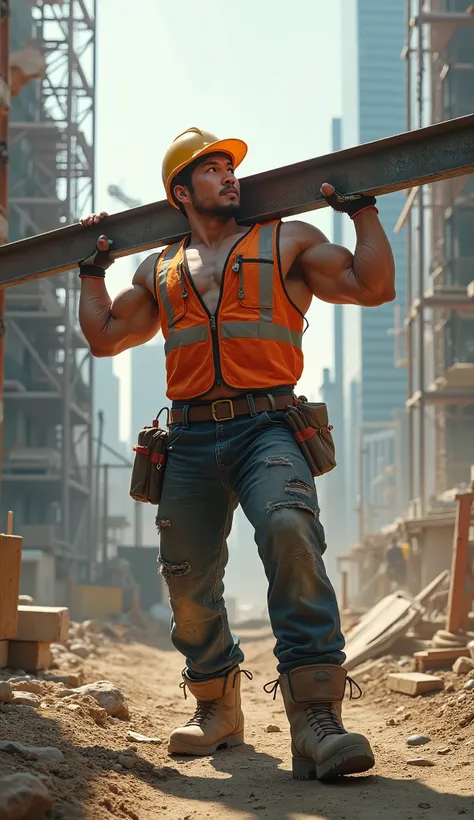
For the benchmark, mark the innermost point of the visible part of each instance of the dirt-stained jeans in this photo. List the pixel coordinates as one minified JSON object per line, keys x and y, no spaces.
{"x":254,"y":461}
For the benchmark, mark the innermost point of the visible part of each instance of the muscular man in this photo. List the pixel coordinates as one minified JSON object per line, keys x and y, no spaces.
{"x":230,"y":301}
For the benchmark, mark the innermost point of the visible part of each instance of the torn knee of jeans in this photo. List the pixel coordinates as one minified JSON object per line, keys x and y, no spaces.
{"x":273,"y":506}
{"x":161,"y":523}
{"x":278,"y":461}
{"x":168,"y":569}
{"x":295,"y":486}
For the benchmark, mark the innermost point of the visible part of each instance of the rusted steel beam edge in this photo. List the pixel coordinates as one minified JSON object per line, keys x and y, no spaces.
{"x":440,"y":151}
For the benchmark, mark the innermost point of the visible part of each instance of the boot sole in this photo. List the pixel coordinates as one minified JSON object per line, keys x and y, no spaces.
{"x":178,"y":748}
{"x":353,"y":760}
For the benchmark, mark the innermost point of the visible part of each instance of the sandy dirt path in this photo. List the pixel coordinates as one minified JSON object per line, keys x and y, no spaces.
{"x":251,"y":781}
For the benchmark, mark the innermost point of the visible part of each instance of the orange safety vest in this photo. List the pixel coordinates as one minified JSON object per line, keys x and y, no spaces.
{"x":254,"y":338}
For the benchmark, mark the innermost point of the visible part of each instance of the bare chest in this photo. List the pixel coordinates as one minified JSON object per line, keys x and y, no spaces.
{"x":206,"y":268}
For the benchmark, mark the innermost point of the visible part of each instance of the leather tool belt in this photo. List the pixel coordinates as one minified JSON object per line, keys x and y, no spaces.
{"x":228,"y":409}
{"x":307,"y":421}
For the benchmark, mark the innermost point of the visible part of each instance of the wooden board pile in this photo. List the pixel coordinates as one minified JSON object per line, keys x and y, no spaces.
{"x":26,"y":632}
{"x":399,"y":623}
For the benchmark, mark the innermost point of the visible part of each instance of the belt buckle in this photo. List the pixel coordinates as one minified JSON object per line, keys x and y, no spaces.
{"x":231,"y":408}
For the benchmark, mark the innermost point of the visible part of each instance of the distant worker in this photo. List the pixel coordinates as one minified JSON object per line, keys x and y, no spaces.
{"x":230,"y":301}
{"x":396,"y":564}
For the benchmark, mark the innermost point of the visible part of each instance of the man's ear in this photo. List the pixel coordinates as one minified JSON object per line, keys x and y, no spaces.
{"x":181,"y":194}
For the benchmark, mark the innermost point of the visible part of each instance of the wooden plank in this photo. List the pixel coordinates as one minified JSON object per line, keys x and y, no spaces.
{"x":29,"y":655}
{"x":379,"y":628}
{"x":414,"y":683}
{"x":3,"y":654}
{"x":461,"y":589}
{"x":10,"y":562}
{"x":427,"y":592}
{"x":46,"y":624}
{"x":438,"y":658}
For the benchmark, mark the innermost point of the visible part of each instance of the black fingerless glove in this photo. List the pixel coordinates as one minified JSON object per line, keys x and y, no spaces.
{"x":351,"y":204}
{"x":96,"y":264}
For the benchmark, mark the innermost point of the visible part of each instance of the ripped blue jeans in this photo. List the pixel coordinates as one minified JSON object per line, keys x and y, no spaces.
{"x":211,"y":468}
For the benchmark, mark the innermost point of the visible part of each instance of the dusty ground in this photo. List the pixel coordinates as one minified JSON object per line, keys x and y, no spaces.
{"x":254,"y":780}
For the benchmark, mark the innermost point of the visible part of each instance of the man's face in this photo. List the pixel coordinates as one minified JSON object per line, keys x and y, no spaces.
{"x":215,"y":189}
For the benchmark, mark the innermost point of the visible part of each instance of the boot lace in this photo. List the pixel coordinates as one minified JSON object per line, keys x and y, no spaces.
{"x":205,"y":709}
{"x":323,"y":720}
{"x":322,"y":717}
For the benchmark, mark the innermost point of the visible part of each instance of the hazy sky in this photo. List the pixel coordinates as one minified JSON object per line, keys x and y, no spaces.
{"x":265,"y":71}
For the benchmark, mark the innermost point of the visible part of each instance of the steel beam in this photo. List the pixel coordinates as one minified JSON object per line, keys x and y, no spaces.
{"x":404,"y":161}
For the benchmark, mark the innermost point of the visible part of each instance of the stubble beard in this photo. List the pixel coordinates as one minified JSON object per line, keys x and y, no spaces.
{"x":218,"y":210}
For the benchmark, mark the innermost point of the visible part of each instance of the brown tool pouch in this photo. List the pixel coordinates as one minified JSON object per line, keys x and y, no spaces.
{"x":311,"y":429}
{"x":148,"y":469}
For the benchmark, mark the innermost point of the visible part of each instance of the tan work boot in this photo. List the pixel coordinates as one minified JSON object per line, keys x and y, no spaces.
{"x":218,"y":721}
{"x":321,"y":747}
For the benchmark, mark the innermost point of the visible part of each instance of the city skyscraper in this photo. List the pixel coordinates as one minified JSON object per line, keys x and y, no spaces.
{"x":373,"y":108}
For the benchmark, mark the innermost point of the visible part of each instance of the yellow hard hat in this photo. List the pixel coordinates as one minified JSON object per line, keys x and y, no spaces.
{"x":192,"y":144}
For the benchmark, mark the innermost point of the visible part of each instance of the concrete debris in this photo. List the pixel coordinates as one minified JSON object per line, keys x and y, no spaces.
{"x":413,"y":683}
{"x":48,"y":753}
{"x":463,"y":666}
{"x":107,"y":695}
{"x":22,"y":796}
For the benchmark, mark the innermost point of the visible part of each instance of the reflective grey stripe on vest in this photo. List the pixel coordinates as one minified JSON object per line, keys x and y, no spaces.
{"x":189,"y":336}
{"x":162,"y":276}
{"x":265,"y":272}
{"x":261,"y":330}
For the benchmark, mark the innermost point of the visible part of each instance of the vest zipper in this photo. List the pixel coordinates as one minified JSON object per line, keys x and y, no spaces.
{"x":219,"y":379}
{"x":215,"y":351}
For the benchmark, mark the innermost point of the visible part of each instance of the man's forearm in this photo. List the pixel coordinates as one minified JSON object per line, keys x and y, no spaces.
{"x":94,"y":312}
{"x":373,"y":265}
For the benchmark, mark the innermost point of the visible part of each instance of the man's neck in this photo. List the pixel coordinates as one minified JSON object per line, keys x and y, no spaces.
{"x":212,"y":231}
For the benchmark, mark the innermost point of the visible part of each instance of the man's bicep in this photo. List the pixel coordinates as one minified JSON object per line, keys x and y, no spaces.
{"x":327,"y":270}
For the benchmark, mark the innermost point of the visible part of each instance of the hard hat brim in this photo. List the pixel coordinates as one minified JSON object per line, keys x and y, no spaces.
{"x":236,"y":148}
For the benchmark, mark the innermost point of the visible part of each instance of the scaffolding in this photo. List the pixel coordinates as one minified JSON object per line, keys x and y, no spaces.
{"x":439,"y":54}
{"x":47,"y":468}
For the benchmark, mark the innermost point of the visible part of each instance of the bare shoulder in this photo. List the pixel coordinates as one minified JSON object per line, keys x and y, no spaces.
{"x":296,"y":237}
{"x":145,"y":273}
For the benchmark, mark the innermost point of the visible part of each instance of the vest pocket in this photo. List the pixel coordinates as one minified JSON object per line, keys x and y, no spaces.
{"x":255,"y":282}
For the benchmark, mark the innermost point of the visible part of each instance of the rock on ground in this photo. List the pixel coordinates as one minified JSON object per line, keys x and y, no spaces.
{"x":418,"y":740}
{"x":23,"y":797}
{"x":6,"y":693}
{"x":32,"y":752}
{"x":463,"y":665}
{"x":107,"y":695}
{"x":26,"y":699}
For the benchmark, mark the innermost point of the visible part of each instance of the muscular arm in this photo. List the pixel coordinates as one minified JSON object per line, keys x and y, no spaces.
{"x":334,"y":274}
{"x":131,"y":319}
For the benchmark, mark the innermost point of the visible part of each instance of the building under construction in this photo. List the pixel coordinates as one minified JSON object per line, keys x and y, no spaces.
{"x":436,"y":340}
{"x":47,"y":446}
